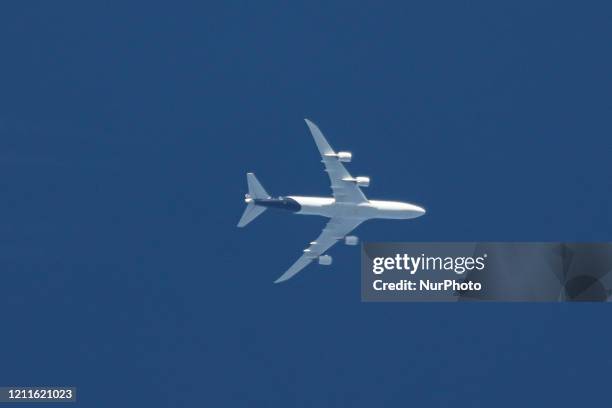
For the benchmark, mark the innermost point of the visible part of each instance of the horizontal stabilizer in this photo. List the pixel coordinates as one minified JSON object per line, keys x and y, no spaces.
{"x":251,"y":212}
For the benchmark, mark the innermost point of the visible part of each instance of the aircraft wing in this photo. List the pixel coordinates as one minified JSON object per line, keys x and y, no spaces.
{"x":344,"y":191}
{"x":335,"y":230}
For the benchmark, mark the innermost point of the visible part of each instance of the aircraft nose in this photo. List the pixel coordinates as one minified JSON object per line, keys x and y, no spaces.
{"x":413,"y":211}
{"x":420,"y":210}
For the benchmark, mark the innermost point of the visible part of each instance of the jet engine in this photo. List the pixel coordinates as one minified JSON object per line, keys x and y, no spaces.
{"x":361,"y":181}
{"x":325,"y":260}
{"x":344,"y":157}
{"x":351,"y":240}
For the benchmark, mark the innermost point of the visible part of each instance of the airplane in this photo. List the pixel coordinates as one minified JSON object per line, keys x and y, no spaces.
{"x":348,"y":207}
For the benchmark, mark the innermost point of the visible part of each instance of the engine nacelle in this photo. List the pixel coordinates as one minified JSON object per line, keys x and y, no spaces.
{"x":351,"y":240}
{"x":362,"y":181}
{"x":325,"y":260}
{"x":345,"y":157}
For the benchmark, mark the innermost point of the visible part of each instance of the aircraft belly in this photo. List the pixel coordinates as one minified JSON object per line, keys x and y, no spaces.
{"x":340,"y":210}
{"x":310,"y":210}
{"x":323,"y":206}
{"x":347,"y":210}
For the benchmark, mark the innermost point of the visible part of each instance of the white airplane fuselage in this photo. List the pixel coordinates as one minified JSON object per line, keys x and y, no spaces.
{"x":328,"y":207}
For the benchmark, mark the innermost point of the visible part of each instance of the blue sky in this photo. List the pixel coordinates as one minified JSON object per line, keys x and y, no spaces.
{"x":126,"y":131}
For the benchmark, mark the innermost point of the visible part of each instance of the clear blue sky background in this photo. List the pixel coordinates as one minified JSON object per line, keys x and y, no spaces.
{"x":125,"y":134}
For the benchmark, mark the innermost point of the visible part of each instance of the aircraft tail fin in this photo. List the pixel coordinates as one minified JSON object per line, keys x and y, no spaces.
{"x":256,"y":191}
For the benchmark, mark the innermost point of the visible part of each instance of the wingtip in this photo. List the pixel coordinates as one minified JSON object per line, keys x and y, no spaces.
{"x":312,"y":126}
{"x":282,"y":278}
